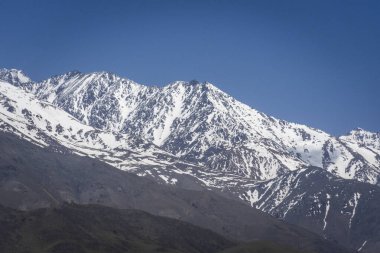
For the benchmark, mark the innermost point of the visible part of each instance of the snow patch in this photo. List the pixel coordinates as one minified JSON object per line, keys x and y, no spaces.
{"x":327,"y":211}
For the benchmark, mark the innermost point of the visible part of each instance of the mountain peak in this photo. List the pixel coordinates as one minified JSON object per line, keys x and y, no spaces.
{"x":363,"y":138}
{"x":73,"y":73}
{"x":14,"y":76}
{"x":360,"y":131}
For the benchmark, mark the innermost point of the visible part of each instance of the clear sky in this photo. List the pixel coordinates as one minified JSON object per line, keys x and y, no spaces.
{"x":314,"y":62}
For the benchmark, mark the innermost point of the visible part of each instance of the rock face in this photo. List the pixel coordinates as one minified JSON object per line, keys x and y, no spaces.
{"x":193,"y":135}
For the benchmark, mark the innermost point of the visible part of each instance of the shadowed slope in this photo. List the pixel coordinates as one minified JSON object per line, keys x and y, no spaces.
{"x":33,"y":177}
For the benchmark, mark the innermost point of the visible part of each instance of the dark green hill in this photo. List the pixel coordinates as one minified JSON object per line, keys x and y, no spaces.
{"x":98,"y":229}
{"x":77,"y":229}
{"x":262,"y":247}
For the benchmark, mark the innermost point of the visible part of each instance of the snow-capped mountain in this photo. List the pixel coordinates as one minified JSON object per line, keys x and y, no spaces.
{"x":194,"y":135}
{"x":201,"y":124}
{"x":45,"y":124}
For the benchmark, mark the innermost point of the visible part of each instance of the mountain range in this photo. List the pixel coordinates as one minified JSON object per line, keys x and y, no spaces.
{"x":193,"y":136}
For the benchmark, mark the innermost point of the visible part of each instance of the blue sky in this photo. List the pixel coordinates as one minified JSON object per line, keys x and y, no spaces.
{"x":313,"y":62}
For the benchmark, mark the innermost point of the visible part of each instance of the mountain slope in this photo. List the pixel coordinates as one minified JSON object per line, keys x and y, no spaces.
{"x":201,"y":124}
{"x":261,"y":247}
{"x":73,"y":228}
{"x":47,"y":125}
{"x":33,"y":177}
{"x":93,"y":228}
{"x":344,"y":210}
